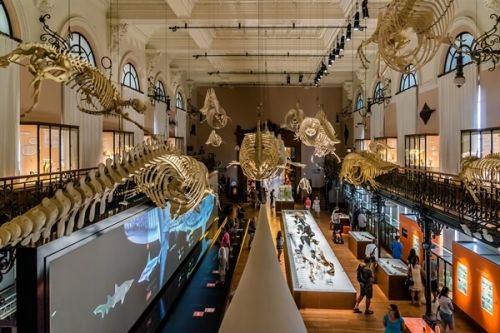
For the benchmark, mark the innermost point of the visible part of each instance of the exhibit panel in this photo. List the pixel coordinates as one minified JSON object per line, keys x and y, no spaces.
{"x":411,"y":235}
{"x":391,"y":275}
{"x":476,"y":283}
{"x":314,"y":274}
{"x":358,"y":241}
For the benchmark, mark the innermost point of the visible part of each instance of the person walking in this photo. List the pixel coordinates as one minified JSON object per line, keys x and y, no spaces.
{"x":279,"y":244}
{"x":411,"y":255}
{"x":354,"y":222}
{"x":434,"y":277}
{"x":223,"y":256}
{"x":316,"y":206}
{"x":365,"y":278}
{"x":445,"y":310}
{"x":251,"y":232}
{"x":393,"y":322}
{"x":396,"y":248}
{"x":307,"y":203}
{"x":415,"y":274}
{"x":271,"y":198}
{"x":362,"y":220}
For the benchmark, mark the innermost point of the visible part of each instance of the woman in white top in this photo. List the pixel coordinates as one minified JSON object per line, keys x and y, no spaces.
{"x":415,"y":272}
{"x":316,"y":206}
{"x":445,"y":310}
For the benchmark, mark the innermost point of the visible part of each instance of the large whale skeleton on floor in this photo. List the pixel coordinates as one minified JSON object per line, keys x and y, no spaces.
{"x":162,"y":175}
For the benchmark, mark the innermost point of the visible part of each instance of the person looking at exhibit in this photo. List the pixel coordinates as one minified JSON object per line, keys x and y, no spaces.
{"x":416,"y":286}
{"x":279,"y":244}
{"x":364,"y":276}
{"x":396,"y":248}
{"x":445,"y":310}
{"x":362,"y":220}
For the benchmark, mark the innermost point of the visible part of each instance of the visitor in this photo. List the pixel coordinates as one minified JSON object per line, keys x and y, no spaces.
{"x":434,"y":277}
{"x":415,"y":275}
{"x":271,"y":198}
{"x":371,"y":252}
{"x":334,"y":218}
{"x":226,"y":239}
{"x":354,"y":222}
{"x":445,"y":310}
{"x":396,"y":248}
{"x":337,"y":227}
{"x":279,"y":244}
{"x":365,"y":278}
{"x":413,"y":253}
{"x":362,"y":220}
{"x":241,"y":215}
{"x":307,"y":203}
{"x":316,"y":206}
{"x":223,"y":256}
{"x":251,"y":232}
{"x":393,"y":322}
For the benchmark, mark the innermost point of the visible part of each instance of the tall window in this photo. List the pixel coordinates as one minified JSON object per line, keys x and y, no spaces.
{"x":408,"y":79}
{"x":80,"y":46}
{"x":4,"y":20}
{"x":463,"y":42}
{"x":130,"y":78}
{"x":378,"y":93}
{"x":160,"y":92}
{"x":179,"y":101}
{"x":359,"y":102}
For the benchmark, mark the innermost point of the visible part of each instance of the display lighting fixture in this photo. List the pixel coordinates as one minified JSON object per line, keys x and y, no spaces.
{"x":301,"y":77}
{"x":364,"y":9}
{"x":357,"y":26}
{"x":342,"y":43}
{"x":348,"y":32}
{"x":338,"y":47}
{"x":288,"y":79}
{"x":459,"y":77}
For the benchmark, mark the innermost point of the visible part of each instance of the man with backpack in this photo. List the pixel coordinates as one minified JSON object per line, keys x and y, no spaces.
{"x":365,"y":278}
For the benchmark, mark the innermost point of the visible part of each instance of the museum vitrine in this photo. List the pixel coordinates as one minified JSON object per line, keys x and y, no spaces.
{"x":480,"y":143}
{"x":362,"y":144}
{"x":422,"y":151}
{"x":388,"y":154}
{"x":47,"y":148}
{"x":116,"y":142}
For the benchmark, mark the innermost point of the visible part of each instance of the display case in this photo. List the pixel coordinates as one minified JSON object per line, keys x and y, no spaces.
{"x":357,"y":242}
{"x":176,"y":143}
{"x":285,"y":198}
{"x":389,"y":154}
{"x":487,"y":295}
{"x":422,"y":151}
{"x":48,"y":148}
{"x":116,"y":142}
{"x":480,"y":143}
{"x":314,"y":274}
{"x":362,"y":144}
{"x":391,"y":275}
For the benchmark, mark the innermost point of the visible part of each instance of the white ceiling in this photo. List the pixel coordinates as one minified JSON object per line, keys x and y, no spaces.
{"x":154,"y":17}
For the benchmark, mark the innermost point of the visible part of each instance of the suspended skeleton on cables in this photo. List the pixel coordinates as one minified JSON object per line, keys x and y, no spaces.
{"x":480,"y":173}
{"x":409,"y":32}
{"x":214,"y":139}
{"x":214,"y":113}
{"x":318,"y":132}
{"x":363,"y":167}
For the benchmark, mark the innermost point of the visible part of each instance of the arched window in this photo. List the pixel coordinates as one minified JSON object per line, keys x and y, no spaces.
{"x":359,"y":102}
{"x":80,"y":46}
{"x":160,"y":92}
{"x":4,"y":20}
{"x":129,"y":77}
{"x":179,"y":101}
{"x":408,"y":79}
{"x":464,"y":42}
{"x":378,"y":93}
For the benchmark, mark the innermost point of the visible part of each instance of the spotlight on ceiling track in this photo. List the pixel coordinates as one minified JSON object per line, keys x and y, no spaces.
{"x":348,"y":32}
{"x":288,"y":79}
{"x":357,"y":26}
{"x":342,"y":43}
{"x":301,"y":77}
{"x":364,"y":9}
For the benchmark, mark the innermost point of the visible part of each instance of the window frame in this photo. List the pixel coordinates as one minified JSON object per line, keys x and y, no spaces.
{"x":179,"y":97}
{"x":450,"y":61}
{"x":160,"y":90}
{"x":357,"y":105}
{"x":3,"y":8}
{"x":406,"y":79}
{"x":133,"y":74}
{"x":88,"y":55}
{"x":378,"y":93}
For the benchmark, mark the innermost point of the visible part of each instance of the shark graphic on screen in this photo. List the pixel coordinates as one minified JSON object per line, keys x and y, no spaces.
{"x":112,"y":300}
{"x":150,"y":266}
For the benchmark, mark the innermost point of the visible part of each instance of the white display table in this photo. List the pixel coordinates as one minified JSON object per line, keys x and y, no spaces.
{"x":315,"y":276}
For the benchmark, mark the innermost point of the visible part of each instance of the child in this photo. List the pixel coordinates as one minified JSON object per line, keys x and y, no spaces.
{"x":279,"y":244}
{"x":307,"y":203}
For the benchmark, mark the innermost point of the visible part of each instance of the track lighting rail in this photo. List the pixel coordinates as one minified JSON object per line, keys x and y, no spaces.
{"x":265,"y":27}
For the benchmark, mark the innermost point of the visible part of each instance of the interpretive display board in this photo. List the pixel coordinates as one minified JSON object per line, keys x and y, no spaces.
{"x":357,"y":242}
{"x":391,"y":275}
{"x":315,"y":275}
{"x":462,"y":278}
{"x":487,"y":295}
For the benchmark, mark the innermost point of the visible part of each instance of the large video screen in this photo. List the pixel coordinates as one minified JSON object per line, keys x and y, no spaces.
{"x":107,"y":283}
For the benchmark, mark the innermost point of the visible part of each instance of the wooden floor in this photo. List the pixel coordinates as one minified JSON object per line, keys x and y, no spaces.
{"x":344,"y":321}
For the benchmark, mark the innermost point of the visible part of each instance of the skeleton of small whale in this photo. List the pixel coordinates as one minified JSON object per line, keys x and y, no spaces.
{"x":111,"y":300}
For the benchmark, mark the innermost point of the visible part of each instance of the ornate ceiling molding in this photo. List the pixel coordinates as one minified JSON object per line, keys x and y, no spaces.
{"x":182,"y":8}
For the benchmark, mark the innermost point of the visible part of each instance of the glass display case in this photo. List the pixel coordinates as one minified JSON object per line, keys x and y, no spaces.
{"x":487,"y":295}
{"x":480,"y":143}
{"x":284,"y":193}
{"x":362,"y":144}
{"x":311,"y":265}
{"x":388,"y":154}
{"x":48,"y":148}
{"x":116,"y":142}
{"x":176,"y":143}
{"x":462,"y":278}
{"x":394,"y":267}
{"x":422,"y":151}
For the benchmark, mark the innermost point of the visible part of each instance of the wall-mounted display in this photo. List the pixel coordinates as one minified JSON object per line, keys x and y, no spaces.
{"x":422,"y":151}
{"x":487,"y":295}
{"x":480,"y":143}
{"x":462,"y":272}
{"x":47,"y":148}
{"x":362,"y":144}
{"x":416,"y":243}
{"x":116,"y":142}
{"x":389,"y":154}
{"x":315,"y":275}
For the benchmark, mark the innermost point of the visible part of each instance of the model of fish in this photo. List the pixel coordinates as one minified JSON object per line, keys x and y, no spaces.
{"x":111,"y":300}
{"x":150,"y":266}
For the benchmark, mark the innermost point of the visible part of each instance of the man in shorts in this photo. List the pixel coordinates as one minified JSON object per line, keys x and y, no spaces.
{"x":365,"y":279}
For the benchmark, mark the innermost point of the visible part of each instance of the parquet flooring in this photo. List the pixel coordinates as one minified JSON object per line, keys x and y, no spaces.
{"x":345,"y":321}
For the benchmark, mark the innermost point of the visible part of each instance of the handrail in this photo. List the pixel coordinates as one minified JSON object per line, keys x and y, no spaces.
{"x":41,"y":175}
